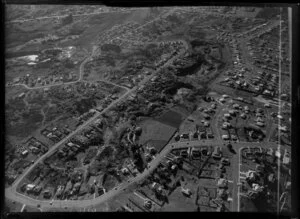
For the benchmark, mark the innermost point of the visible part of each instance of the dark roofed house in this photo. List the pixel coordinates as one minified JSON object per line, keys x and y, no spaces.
{"x":47,"y":194}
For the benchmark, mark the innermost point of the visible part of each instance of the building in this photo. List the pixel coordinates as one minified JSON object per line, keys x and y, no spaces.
{"x":156,"y":187}
{"x":236,"y":106}
{"x":231,"y":112}
{"x":257,"y":188}
{"x":21,"y":95}
{"x":37,"y":190}
{"x":30,"y":187}
{"x":286,"y":158}
{"x":222,"y":183}
{"x":186,"y":192}
{"x":225,"y":137}
{"x":217,"y":153}
{"x":271,"y":178}
{"x":251,"y":175}
{"x":227,"y":115}
{"x":47,"y":194}
{"x":24,"y":153}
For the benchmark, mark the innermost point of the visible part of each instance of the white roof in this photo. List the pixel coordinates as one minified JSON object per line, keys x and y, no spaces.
{"x":25,"y":152}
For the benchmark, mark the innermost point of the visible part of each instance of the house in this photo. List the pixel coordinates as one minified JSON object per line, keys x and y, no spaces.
{"x":278,"y":154}
{"x":206,"y":116}
{"x":282,"y":128}
{"x":243,"y":116}
{"x":186,"y":192}
{"x":30,"y":187}
{"x":288,"y":185}
{"x":210,"y":134}
{"x":47,"y":194}
{"x":259,"y":168}
{"x":227,"y":116}
{"x":21,"y":95}
{"x":222,"y":194}
{"x":236,"y":106}
{"x":202,"y":135}
{"x":257,"y":188}
{"x":251,"y":175}
{"x":184,"y":135}
{"x":37,"y":190}
{"x":195,"y":153}
{"x":184,"y":153}
{"x":174,"y":167}
{"x":279,"y":116}
{"x":270,"y":151}
{"x":156,"y":186}
{"x":271,"y":177}
{"x":225,"y":137}
{"x":260,"y":124}
{"x":234,"y":137}
{"x":286,"y":157}
{"x":125,"y":171}
{"x":231,"y":112}
{"x":225,"y":161}
{"x":222,"y":100}
{"x":225,"y":125}
{"x":217,"y":153}
{"x":24,"y":153}
{"x":222,"y":183}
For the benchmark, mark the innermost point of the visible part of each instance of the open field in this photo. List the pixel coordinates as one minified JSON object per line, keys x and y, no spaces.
{"x":156,"y":133}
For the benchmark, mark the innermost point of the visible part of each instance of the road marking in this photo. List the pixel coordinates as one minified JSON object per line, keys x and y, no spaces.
{"x":22,"y":209}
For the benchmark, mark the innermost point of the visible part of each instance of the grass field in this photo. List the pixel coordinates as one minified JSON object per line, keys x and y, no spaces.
{"x":157,"y":132}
